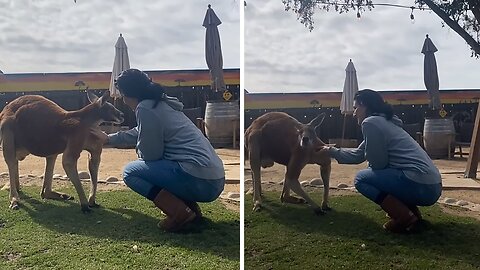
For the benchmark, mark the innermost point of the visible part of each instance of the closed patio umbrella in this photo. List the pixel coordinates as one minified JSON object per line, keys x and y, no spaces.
{"x":350,"y":88}
{"x":213,"y":50}
{"x":120,"y":63}
{"x":430,"y":74}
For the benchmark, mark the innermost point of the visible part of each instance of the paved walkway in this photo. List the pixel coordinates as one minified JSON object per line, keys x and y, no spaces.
{"x":455,"y":180}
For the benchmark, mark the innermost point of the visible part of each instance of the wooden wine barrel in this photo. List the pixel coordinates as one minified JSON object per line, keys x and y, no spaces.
{"x":221,"y":121}
{"x":437,"y":135}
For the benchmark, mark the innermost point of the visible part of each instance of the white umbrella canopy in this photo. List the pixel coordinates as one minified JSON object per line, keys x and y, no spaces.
{"x":213,"y":50}
{"x":350,"y":88}
{"x":120,"y":63}
{"x":430,"y":73}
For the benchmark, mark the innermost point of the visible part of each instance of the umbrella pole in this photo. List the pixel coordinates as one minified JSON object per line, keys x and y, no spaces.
{"x":344,"y":125}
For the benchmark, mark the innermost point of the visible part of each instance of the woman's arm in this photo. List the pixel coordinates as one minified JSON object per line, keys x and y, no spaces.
{"x":349,"y":156}
{"x":123,"y":138}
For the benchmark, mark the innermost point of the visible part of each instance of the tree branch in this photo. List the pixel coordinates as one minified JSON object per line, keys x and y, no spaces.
{"x":455,"y":27}
{"x":475,"y":8}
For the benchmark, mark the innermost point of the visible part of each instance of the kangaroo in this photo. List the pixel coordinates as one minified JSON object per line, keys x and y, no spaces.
{"x":35,"y":125}
{"x":278,"y":137}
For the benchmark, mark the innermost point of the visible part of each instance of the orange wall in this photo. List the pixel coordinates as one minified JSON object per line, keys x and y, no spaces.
{"x":332,"y":99}
{"x":26,"y":82}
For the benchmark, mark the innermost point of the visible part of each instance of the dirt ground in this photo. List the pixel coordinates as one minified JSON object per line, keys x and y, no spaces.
{"x":113,"y":160}
{"x":344,"y":174}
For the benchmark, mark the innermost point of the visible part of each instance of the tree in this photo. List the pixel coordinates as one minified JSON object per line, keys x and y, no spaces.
{"x":462,"y":16}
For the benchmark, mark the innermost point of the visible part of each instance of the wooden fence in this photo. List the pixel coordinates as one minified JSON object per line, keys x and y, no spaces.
{"x":410,"y":106}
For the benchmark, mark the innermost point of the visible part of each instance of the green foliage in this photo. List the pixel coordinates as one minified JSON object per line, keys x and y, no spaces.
{"x":351,"y":237}
{"x":122,"y":234}
{"x":305,"y":9}
{"x":463,"y":16}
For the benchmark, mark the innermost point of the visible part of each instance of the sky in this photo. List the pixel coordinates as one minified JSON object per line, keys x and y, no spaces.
{"x":281,"y":55}
{"x":63,"y":36}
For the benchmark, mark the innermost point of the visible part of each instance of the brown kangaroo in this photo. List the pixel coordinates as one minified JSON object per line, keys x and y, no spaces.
{"x":32,"y":124}
{"x":278,"y":137}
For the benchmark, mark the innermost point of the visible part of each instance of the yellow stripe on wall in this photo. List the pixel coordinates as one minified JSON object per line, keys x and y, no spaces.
{"x":332,"y":99}
{"x":28,"y":82}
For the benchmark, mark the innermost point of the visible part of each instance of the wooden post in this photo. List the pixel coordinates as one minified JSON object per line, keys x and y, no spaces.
{"x":234,"y":133}
{"x":473,"y":156}
{"x":235,"y":123}
{"x":450,"y":141}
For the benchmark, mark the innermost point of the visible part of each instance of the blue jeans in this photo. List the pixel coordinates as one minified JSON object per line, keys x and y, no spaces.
{"x":376,"y":184}
{"x":149,"y":177}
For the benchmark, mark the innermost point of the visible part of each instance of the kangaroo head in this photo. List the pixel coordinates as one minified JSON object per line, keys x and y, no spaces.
{"x":308,"y":136}
{"x":107,"y":112}
{"x":312,"y":145}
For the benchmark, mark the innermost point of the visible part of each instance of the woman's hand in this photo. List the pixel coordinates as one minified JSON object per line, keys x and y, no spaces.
{"x":100,"y":135}
{"x":103,"y":137}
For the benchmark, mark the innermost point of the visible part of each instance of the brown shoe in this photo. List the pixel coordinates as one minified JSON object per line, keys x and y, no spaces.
{"x":402,"y":218}
{"x":178,"y":213}
{"x":414,"y":210}
{"x":171,"y":225}
{"x":393,"y":226}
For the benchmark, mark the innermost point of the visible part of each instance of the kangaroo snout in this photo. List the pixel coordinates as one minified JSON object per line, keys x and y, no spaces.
{"x":305,"y":141}
{"x":120,"y":118}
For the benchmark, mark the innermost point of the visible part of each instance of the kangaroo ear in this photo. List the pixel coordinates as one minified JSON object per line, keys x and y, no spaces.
{"x":91,"y":97}
{"x":105,"y":97}
{"x":317,"y":121}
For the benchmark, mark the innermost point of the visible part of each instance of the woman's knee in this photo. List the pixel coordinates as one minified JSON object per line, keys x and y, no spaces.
{"x":361,"y":178}
{"x":361,"y":187}
{"x":130,"y":174}
{"x":128,"y":180}
{"x":132,"y":169}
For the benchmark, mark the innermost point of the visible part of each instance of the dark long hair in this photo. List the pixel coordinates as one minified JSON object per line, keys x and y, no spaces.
{"x":137,"y":84}
{"x":374,"y":103}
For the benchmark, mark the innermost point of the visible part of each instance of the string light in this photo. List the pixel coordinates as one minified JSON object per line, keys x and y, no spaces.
{"x":411,"y":15}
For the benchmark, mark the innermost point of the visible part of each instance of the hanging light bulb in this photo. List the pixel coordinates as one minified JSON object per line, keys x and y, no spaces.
{"x":412,"y":18}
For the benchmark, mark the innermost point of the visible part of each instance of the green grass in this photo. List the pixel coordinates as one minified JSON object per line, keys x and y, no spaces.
{"x":57,"y":235}
{"x":292,"y":237}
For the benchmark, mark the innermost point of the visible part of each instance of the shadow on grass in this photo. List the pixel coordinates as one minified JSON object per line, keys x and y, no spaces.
{"x":127,"y":216}
{"x":358,"y":219}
